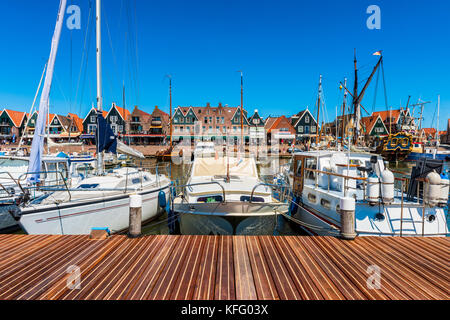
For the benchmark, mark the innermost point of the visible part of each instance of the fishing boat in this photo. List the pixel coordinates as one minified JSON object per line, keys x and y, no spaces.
{"x":100,"y":201}
{"x":355,"y":194}
{"x":224,"y":195}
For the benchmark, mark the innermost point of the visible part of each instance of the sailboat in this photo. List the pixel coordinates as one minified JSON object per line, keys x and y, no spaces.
{"x":101,"y":201}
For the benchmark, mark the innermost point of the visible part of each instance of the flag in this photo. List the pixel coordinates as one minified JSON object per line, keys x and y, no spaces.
{"x":378,"y":53}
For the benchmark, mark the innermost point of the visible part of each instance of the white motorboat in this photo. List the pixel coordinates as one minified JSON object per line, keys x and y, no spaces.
{"x":96,"y":202}
{"x":204,"y":149}
{"x":354,"y":194}
{"x":226,"y":196}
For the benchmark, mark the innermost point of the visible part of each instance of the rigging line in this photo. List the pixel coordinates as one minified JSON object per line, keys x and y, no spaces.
{"x":137,"y":50}
{"x":60,"y":88}
{"x":84,"y":52}
{"x":384,"y":84}
{"x":130,"y":48}
{"x":376,"y":91}
{"x":86,"y":68}
{"x":113,"y":54}
{"x":130,"y":43}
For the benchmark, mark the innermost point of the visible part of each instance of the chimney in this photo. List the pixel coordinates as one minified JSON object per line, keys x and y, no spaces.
{"x":208,"y":105}
{"x":220,"y":104}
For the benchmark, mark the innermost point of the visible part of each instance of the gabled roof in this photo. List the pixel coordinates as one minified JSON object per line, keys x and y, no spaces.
{"x":105,"y":113}
{"x":122,"y":112}
{"x":300,"y":116}
{"x":370,"y":121}
{"x":77,"y":121}
{"x":273,"y":122}
{"x":428,"y":131}
{"x":390,"y":113}
{"x":16,"y":117}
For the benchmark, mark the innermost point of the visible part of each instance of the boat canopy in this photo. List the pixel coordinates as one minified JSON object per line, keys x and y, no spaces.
{"x":218,"y":167}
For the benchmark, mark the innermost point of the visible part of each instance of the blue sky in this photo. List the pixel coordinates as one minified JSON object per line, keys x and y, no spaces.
{"x":281,"y":46}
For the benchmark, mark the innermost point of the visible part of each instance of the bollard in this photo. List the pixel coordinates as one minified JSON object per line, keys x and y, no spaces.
{"x":134,"y":229}
{"x":347,"y":210}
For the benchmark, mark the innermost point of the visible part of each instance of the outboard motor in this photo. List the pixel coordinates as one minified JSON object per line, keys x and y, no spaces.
{"x":432,"y":192}
{"x":387,"y":186}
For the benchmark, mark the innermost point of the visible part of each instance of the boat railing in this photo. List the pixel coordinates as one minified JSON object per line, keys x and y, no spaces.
{"x":44,"y":184}
{"x":400,"y":184}
{"x":285,"y":191}
{"x":9,"y":190}
{"x":190,"y":185}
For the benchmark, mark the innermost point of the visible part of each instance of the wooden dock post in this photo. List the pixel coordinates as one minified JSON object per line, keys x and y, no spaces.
{"x":134,"y":229}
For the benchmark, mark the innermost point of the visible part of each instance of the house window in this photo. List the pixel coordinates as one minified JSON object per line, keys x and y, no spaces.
{"x":300,"y":129}
{"x":93,"y":119}
{"x":92,"y":128}
{"x":307,"y":119}
{"x":313,"y":129}
{"x":120,"y":128}
{"x":224,"y":129}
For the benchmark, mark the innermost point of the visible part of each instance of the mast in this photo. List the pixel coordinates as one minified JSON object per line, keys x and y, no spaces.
{"x":318,"y":111}
{"x":170,"y":102}
{"x":37,"y":147}
{"x":437,"y":124}
{"x":355,"y":94}
{"x":343,"y":110}
{"x":242,"y":111}
{"x":99,"y":78}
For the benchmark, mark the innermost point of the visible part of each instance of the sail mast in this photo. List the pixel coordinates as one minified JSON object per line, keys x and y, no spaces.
{"x":343,"y":111}
{"x":99,"y":77}
{"x":318,"y":111}
{"x":37,"y":146}
{"x":170,"y":102}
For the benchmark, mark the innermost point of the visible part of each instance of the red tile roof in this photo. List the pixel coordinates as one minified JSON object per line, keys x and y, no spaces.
{"x":15,"y":116}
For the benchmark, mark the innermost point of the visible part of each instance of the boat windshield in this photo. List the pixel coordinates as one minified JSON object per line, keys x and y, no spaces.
{"x":219,"y":167}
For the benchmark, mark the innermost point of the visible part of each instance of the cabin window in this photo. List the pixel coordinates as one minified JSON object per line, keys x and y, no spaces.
{"x":88,"y":186}
{"x":310,"y":163}
{"x":312,"y":197}
{"x":254,"y":199}
{"x":136,"y":180}
{"x":209,"y":199}
{"x":325,"y":203}
{"x":299,"y":168}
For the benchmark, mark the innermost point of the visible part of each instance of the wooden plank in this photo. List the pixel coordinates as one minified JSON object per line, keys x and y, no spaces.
{"x":168,"y":278}
{"x":133,"y":284}
{"x":205,"y":283}
{"x":86,"y":260}
{"x":14,"y":280}
{"x":389,"y":270}
{"x":245,"y":285}
{"x":264,"y":285}
{"x":283,"y":282}
{"x":185,"y":285}
{"x":106,"y":280}
{"x":342,"y":283}
{"x":224,"y":284}
{"x":353,"y":268}
{"x":435,"y":285}
{"x":154,"y":269}
{"x":297,"y":271}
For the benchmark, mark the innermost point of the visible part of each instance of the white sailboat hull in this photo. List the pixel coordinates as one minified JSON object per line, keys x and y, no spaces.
{"x":79,"y":218}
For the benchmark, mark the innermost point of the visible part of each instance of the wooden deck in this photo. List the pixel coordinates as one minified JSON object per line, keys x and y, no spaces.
{"x":222,"y":267}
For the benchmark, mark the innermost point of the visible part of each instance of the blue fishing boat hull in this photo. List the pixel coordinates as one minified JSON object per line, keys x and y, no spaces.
{"x":413,"y":156}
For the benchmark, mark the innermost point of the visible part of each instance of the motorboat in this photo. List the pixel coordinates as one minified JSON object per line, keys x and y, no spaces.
{"x":225,"y":195}
{"x":355,"y":194}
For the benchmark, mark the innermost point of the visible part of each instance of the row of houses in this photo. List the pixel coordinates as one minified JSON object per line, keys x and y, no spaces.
{"x":200,"y":123}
